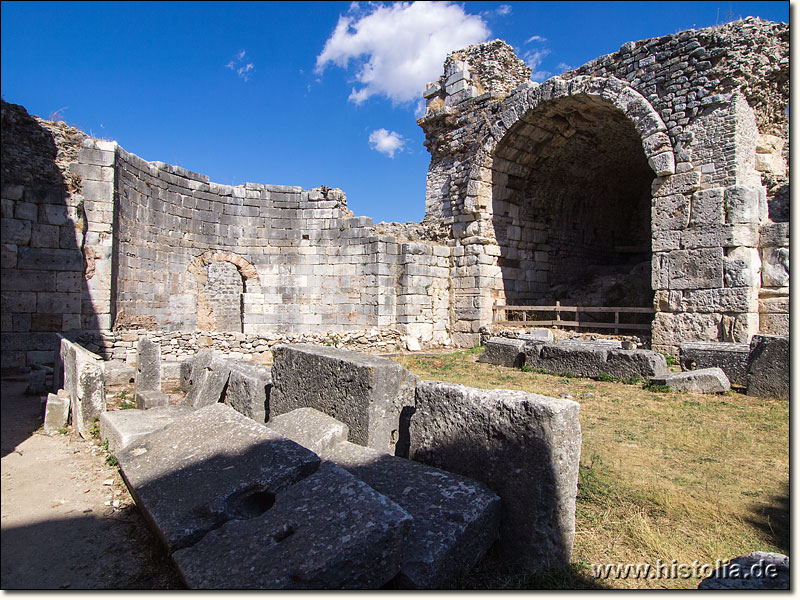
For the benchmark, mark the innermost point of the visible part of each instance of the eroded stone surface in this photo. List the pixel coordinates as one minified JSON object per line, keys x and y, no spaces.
{"x":203,"y":469}
{"x":754,"y":571}
{"x":207,"y":380}
{"x":711,"y":380}
{"x":365,"y":392}
{"x":504,"y":351}
{"x":311,"y":429}
{"x":122,"y":427}
{"x":56,"y":413}
{"x":525,"y":447}
{"x":248,"y":390}
{"x":768,"y":366}
{"x":730,"y":357}
{"x":148,"y":365}
{"x":329,"y":531}
{"x":146,"y":399}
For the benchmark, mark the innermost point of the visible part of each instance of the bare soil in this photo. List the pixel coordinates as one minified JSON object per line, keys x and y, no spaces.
{"x":68,"y":521}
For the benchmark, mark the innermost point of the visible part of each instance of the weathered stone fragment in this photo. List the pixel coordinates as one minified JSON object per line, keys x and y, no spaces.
{"x":504,"y":351}
{"x":755,"y":571}
{"x":635,"y":363}
{"x":311,"y":429}
{"x":329,"y":531}
{"x":170,"y":369}
{"x":84,"y":381}
{"x":146,"y":399}
{"x":208,"y":467}
{"x":584,"y":359}
{"x":365,"y":392}
{"x":525,"y":447}
{"x":207,"y":380}
{"x":186,"y":373}
{"x":537,"y":336}
{"x":730,"y":357}
{"x":119,"y":373}
{"x":248,"y":390}
{"x":455,"y":519}
{"x":56,"y":413}
{"x":148,"y":365}
{"x":122,"y":427}
{"x":711,"y":380}
{"x":37,"y":382}
{"x":768,"y":366}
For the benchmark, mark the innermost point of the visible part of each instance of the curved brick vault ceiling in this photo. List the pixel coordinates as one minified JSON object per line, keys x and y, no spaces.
{"x":574,"y":171}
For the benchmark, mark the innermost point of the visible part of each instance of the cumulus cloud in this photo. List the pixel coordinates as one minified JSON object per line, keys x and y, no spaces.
{"x":398,"y":48}
{"x":239,"y":66}
{"x":504,"y":9}
{"x":386,"y":142}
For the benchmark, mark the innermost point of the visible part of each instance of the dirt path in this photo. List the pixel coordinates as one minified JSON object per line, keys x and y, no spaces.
{"x":68,"y":521}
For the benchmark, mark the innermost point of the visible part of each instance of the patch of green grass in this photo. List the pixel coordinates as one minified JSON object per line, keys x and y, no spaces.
{"x":63,"y":431}
{"x":652,"y":387}
{"x":635,"y":380}
{"x":671,"y":362}
{"x":607,"y":377}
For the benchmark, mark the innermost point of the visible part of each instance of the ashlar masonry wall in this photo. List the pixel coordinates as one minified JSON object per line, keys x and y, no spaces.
{"x":707,"y":109}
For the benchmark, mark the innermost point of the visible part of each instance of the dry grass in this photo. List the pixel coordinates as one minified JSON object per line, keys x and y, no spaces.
{"x":669,"y":476}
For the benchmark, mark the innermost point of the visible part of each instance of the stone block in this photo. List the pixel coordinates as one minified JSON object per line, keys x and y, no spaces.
{"x":207,"y":467}
{"x":754,"y":571}
{"x":711,"y":380}
{"x":730,"y":357}
{"x":311,"y":429}
{"x":36,"y":383}
{"x":537,"y":336}
{"x":741,"y":204}
{"x":635,"y":363}
{"x":186,"y":373}
{"x":707,"y":207}
{"x":504,"y":351}
{"x":170,"y":369}
{"x":670,"y":212}
{"x":248,"y":390}
{"x":123,"y":427}
{"x":56,"y":413}
{"x":585,"y":359}
{"x":118,"y":373}
{"x":688,"y":270}
{"x":775,"y":267}
{"x":148,"y":365}
{"x":456,"y":519}
{"x":207,"y":380}
{"x":524,"y":447}
{"x":84,"y":380}
{"x":365,"y":392}
{"x":329,"y":531}
{"x":768,"y":366}
{"x":146,"y":399}
{"x":15,"y":231}
{"x":742,"y":268}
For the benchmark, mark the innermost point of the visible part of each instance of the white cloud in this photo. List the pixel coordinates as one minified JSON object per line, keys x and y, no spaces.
{"x":533,"y":59}
{"x":398,"y":48}
{"x":238,"y":66}
{"x":504,"y":9}
{"x":564,"y":67}
{"x":535,"y":38}
{"x":386,"y":142}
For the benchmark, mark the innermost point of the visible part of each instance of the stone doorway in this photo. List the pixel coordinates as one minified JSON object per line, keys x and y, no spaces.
{"x":223,"y":294}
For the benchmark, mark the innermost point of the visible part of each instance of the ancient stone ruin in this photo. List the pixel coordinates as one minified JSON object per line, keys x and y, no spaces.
{"x":654,"y":178}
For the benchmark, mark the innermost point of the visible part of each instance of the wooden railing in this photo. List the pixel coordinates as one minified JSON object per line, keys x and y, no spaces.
{"x":503,"y":312}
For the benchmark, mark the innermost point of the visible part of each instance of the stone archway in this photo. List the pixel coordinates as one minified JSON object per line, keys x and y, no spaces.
{"x":560,"y":195}
{"x":220,"y":281}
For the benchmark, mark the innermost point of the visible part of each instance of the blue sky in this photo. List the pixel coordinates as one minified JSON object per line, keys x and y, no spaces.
{"x":297,"y":93}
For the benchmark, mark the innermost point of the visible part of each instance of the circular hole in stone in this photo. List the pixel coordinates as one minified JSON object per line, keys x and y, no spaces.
{"x":248,"y":504}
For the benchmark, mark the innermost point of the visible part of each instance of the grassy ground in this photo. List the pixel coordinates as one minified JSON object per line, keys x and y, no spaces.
{"x":664,"y":475}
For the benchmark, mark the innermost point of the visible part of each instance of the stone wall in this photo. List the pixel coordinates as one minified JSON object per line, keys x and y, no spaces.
{"x":670,"y":151}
